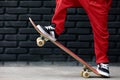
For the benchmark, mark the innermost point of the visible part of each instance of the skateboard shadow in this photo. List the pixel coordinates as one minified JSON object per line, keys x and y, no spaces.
{"x":115,"y":77}
{"x":95,"y":77}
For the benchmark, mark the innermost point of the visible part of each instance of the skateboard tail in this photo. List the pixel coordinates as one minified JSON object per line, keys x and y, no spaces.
{"x":32,"y":22}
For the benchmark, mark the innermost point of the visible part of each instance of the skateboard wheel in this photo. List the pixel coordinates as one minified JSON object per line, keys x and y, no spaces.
{"x":40,"y":42}
{"x":86,"y":74}
{"x":81,"y":73}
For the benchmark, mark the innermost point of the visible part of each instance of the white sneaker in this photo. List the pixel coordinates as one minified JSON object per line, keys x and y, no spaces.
{"x":103,"y":69}
{"x":49,"y":31}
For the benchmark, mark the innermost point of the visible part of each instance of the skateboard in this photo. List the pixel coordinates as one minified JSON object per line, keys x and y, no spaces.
{"x":43,"y":38}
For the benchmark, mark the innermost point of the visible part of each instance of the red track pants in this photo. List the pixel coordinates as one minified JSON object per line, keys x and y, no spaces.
{"x":97,"y":11}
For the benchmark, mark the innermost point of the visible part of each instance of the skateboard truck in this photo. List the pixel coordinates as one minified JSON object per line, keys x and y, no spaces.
{"x":85,"y":72}
{"x":41,"y":41}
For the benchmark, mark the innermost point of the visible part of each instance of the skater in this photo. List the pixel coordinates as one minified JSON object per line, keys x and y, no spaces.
{"x":97,"y":11}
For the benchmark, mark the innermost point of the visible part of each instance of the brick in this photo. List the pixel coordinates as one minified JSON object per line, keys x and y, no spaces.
{"x":33,"y":37}
{"x":69,"y":24}
{"x":8,"y":17}
{"x":1,"y":37}
{"x":15,"y":50}
{"x":83,"y":24}
{"x":92,"y":44}
{"x":85,"y":38}
{"x":71,"y":11}
{"x":40,"y":11}
{"x":118,"y":45}
{"x":77,"y":18}
{"x":16,"y":10}
{"x":15,"y":37}
{"x":27,"y":57}
{"x":114,"y":38}
{"x":1,"y":50}
{"x":78,"y":31}
{"x":7,"y":57}
{"x":78,"y":44}
{"x":118,"y":18}
{"x":118,"y":31}
{"x":114,"y":4}
{"x":49,"y":3}
{"x":27,"y":44}
{"x":112,"y":45}
{"x":8,"y":44}
{"x":86,"y":52}
{"x":115,"y":11}
{"x":1,"y":10}
{"x":8,"y":3}
{"x":67,"y":37}
{"x":113,"y":24}
{"x":58,"y":51}
{"x":81,"y":11}
{"x":7,"y":31}
{"x":1,"y":23}
{"x":54,"y":58}
{"x":25,"y":17}
{"x":10,"y":37}
{"x":30,"y":3}
{"x":47,"y":17}
{"x":118,"y":4}
{"x":115,"y":51}
{"x":111,"y":18}
{"x":27,"y":31}
{"x":41,"y":51}
{"x":113,"y":59}
{"x":112,"y":31}
{"x":118,"y":59}
{"x":15,"y":24}
{"x":1,"y":17}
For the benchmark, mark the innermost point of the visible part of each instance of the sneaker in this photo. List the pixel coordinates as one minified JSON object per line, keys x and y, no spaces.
{"x":103,"y":69}
{"x":48,"y":31}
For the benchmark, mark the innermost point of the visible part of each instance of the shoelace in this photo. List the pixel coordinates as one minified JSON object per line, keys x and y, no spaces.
{"x":49,"y":28}
{"x":105,"y":66}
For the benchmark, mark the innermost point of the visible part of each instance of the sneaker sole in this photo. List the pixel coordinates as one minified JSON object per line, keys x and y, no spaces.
{"x":103,"y":74}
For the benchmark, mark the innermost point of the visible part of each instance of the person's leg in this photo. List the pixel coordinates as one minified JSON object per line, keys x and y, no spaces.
{"x":58,"y":20}
{"x":60,"y":13}
{"x":98,"y":15}
{"x":97,"y":11}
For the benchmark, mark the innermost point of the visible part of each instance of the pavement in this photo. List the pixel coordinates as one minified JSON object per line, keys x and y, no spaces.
{"x":50,"y":72}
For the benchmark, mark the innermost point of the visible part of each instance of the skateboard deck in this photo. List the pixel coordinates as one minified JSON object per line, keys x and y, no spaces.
{"x":86,"y":69}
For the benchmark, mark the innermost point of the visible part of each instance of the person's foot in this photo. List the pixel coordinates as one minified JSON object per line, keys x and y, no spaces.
{"x":103,"y":69}
{"x":49,"y":31}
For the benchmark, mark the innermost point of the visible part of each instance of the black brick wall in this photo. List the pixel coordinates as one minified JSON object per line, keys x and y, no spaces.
{"x":17,"y":36}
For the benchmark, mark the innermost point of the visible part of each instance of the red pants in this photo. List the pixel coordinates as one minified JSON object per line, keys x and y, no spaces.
{"x":97,"y":11}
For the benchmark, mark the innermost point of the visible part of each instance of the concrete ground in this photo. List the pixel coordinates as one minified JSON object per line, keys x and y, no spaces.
{"x":50,"y":72}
